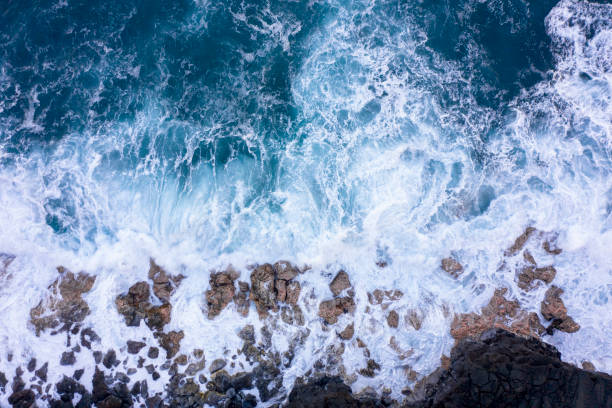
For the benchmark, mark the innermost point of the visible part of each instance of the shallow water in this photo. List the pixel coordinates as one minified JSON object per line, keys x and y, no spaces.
{"x":333,"y":134}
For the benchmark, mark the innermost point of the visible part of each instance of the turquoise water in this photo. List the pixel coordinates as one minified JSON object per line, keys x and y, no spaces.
{"x":335,"y":134}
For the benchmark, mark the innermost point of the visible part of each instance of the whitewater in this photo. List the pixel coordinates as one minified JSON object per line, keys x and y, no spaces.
{"x":334,"y":135}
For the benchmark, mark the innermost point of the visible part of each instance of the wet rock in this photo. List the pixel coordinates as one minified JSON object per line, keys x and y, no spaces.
{"x":221,"y":291}
{"x":520,"y":242}
{"x":378,"y":296}
{"x":293,"y":292}
{"x":247,"y":333}
{"x":371,"y":369}
{"x":339,"y":283}
{"x":68,"y":358}
{"x":330,"y":310}
{"x":171,"y":342}
{"x":554,"y":309}
{"x":78,"y":374}
{"x":181,"y":360}
{"x":217,"y":365}
{"x":134,"y":347}
{"x":194,"y":368}
{"x":501,"y":367}
{"x":528,"y":257}
{"x":22,"y":399}
{"x":64,"y":306}
{"x":451,"y":266}
{"x":164,"y":284}
{"x":263,"y":289}
{"x":241,"y":299}
{"x":88,"y":336}
{"x":348,"y":332}
{"x":4,"y":381}
{"x":500,"y":312}
{"x":158,"y":316}
{"x":110,"y":359}
{"x":588,"y":366}
{"x":326,"y":392}
{"x":393,"y":319}
{"x":529,"y":274}
{"x":153,"y":352}
{"x":134,"y":305}
{"x":415,"y":319}
{"x":285,"y":271}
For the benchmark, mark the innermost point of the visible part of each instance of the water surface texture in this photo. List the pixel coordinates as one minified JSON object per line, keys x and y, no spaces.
{"x":335,"y":134}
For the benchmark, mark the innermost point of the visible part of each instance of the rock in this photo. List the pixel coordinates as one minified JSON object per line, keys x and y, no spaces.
{"x":329,"y":310}
{"x":293,"y":292}
{"x":171,"y":342}
{"x":339,"y":283}
{"x":158,"y":316}
{"x":88,"y":336}
{"x":241,"y":299}
{"x":64,"y":306}
{"x":348,"y":332}
{"x":451,"y":266}
{"x":285,"y":271}
{"x":281,"y":290}
{"x":379,"y":296}
{"x":550,"y":246}
{"x":552,"y":308}
{"x":181,"y":360}
{"x":247,"y":333}
{"x":528,"y":257}
{"x":135,"y":304}
{"x":217,"y":365}
{"x":134,"y":347}
{"x":530,"y":273}
{"x":164,"y":284}
{"x":500,"y":312}
{"x":22,"y":399}
{"x":68,"y":358}
{"x":263,"y":289}
{"x":42,"y":372}
{"x":415,"y":319}
{"x":520,"y":372}
{"x":221,"y":292}
{"x":110,"y":359}
{"x":325,"y":392}
{"x":370,"y":370}
{"x":520,"y":242}
{"x":588,"y":366}
{"x":393,"y":319}
{"x":153,"y":352}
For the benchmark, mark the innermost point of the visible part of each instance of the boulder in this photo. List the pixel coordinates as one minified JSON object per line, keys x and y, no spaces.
{"x":530,"y":274}
{"x":164,"y":284}
{"x":331,"y":309}
{"x":221,"y":292}
{"x":64,"y":306}
{"x":554,"y":309}
{"x":451,"y":266}
{"x":339,"y":283}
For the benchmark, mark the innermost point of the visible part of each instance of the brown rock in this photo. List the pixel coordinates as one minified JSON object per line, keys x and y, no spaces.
{"x":171,"y":342}
{"x":370,"y":370}
{"x":415,"y":319}
{"x":451,"y":266}
{"x":554,"y":309}
{"x":348,"y":332}
{"x":64,"y":306}
{"x":134,"y":347}
{"x":329,"y":310}
{"x":281,"y":290}
{"x":552,"y":306}
{"x":529,"y":274}
{"x":520,"y":242}
{"x":528,"y":257}
{"x":163,"y":283}
{"x":158,"y":316}
{"x":285,"y":271}
{"x":445,"y":362}
{"x":293,"y":292}
{"x":221,"y":292}
{"x":379,"y":296}
{"x":339,"y":283}
{"x":262,"y":289}
{"x":241,"y":299}
{"x":393,"y":319}
{"x":550,"y":246}
{"x":501,"y":313}
{"x":134,"y":305}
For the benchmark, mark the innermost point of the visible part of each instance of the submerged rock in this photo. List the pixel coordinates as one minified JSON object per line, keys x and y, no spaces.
{"x":451,"y":266}
{"x":164,"y":284}
{"x":529,"y":274}
{"x":64,"y":306}
{"x":520,"y":242}
{"x":554,"y":309}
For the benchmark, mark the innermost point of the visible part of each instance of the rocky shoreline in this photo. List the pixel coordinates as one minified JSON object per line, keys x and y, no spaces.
{"x":497,"y":351}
